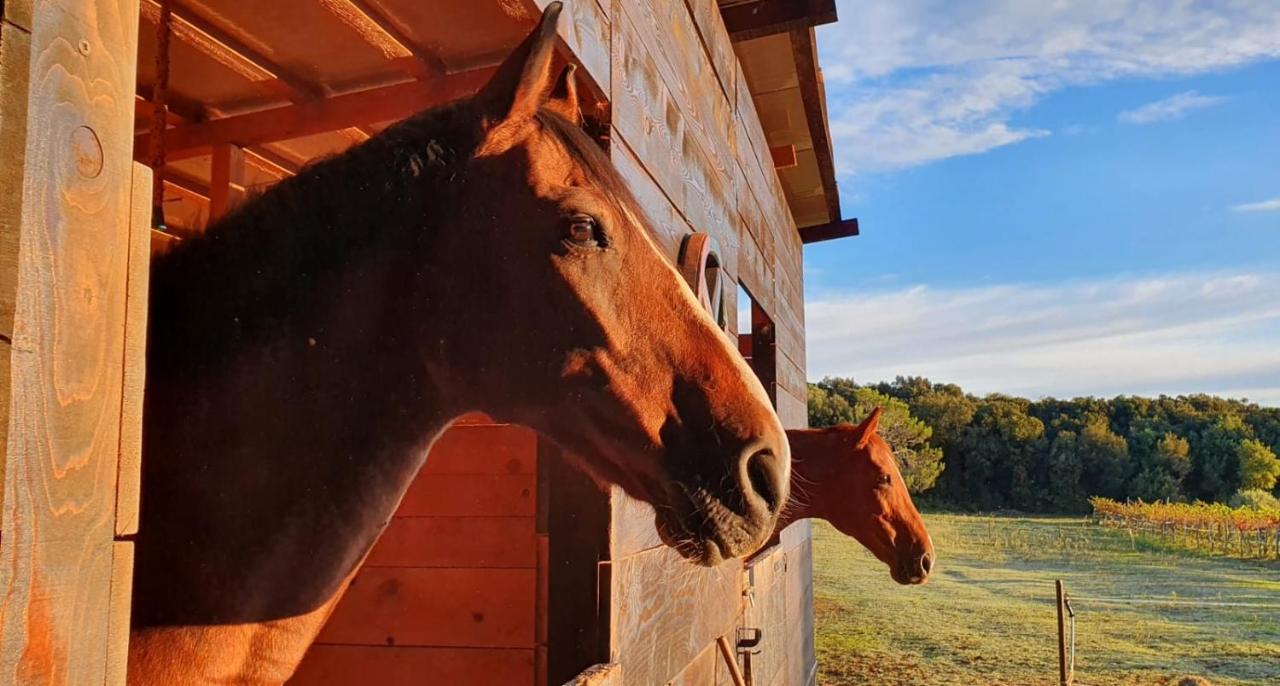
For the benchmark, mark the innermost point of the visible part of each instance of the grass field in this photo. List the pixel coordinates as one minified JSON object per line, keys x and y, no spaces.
{"x":987,"y":616}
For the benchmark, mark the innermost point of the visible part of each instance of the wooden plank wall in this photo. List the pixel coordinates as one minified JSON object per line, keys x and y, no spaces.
{"x":687,"y":139}
{"x":73,"y":275}
{"x":450,"y":589}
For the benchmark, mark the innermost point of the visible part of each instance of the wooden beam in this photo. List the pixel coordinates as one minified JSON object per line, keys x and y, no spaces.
{"x":230,"y":53}
{"x":747,"y":20}
{"x":226,"y":180}
{"x":186,"y":184}
{"x":784,"y":156}
{"x":65,"y":380}
{"x":388,"y":103}
{"x":379,"y":32}
{"x":830,"y":231}
{"x":261,"y":158}
{"x":815,"y":115}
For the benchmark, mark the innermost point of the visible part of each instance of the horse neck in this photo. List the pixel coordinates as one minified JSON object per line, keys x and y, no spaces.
{"x":810,"y":472}
{"x":289,"y":402}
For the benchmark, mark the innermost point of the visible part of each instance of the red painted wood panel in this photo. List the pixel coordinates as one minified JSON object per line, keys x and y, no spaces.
{"x":333,"y":665}
{"x":456,"y":542}
{"x":470,"y":495}
{"x":491,"y":608}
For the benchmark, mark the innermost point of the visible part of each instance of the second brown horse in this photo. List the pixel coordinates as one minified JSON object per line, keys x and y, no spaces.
{"x":848,"y":476}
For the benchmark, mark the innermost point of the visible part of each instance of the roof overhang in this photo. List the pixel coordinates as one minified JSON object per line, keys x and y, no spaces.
{"x":774,"y":40}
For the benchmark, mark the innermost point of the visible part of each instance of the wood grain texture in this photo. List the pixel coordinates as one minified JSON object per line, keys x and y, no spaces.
{"x":505,"y":542}
{"x":669,"y":227}
{"x":609,"y":674}
{"x":56,"y":554}
{"x":129,"y":466}
{"x":341,"y":665}
{"x":121,"y":605}
{"x":667,"y":611}
{"x":715,"y":39}
{"x":19,"y":13}
{"x":701,"y":671}
{"x":584,"y":28}
{"x":631,"y":528}
{"x":477,"y":608}
{"x":15,"y":66}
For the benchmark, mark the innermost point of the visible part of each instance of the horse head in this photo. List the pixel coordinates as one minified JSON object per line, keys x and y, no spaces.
{"x":850,"y":478}
{"x":567,"y":318}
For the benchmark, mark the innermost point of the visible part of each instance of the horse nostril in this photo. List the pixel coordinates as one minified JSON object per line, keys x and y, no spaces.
{"x":762,"y":477}
{"x":926,"y":563}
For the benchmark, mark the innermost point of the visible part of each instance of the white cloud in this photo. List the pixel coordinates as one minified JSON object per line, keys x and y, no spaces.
{"x":1272,"y":205}
{"x":910,"y":81}
{"x":1183,"y":333}
{"x":1170,"y":108}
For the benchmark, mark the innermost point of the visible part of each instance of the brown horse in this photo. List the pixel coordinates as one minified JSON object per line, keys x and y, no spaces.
{"x":848,"y":476}
{"x":306,"y":352}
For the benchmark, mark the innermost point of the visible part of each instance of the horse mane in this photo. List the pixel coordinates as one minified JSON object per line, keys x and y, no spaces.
{"x":272,"y":254}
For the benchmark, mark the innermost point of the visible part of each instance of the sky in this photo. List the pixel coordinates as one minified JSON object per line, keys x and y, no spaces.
{"x":1055,"y":198}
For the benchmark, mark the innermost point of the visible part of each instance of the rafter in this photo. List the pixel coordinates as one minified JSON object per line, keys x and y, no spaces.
{"x":757,"y":18}
{"x":387,"y":103}
{"x":230,"y":53}
{"x":811,"y":95}
{"x":386,"y":37}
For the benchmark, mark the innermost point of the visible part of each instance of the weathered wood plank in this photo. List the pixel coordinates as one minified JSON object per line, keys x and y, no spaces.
{"x":15,"y":66}
{"x":129,"y":467}
{"x":18,"y":13}
{"x":706,"y":14}
{"x":645,"y":115}
{"x":120,"y":610}
{"x":668,"y":226}
{"x":631,"y":528}
{"x":477,"y":608}
{"x":666,"y":611}
{"x":701,"y":671}
{"x":585,"y":29}
{"x":344,"y":665}
{"x":506,"y":542}
{"x":599,"y":675}
{"x":68,"y":343}
{"x":671,"y":39}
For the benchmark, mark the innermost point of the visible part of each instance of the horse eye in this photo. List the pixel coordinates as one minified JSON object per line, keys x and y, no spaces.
{"x":885,"y":479}
{"x":584,"y":230}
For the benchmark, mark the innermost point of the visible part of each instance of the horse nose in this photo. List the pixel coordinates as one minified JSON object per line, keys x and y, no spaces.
{"x":924,"y":564}
{"x":763,"y":478}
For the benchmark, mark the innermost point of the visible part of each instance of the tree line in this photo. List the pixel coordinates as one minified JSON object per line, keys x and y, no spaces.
{"x":1003,"y":452}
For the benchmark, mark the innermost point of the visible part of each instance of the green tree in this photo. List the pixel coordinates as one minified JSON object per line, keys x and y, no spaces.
{"x":833,"y":401}
{"x":828,"y":409}
{"x":1259,"y":467}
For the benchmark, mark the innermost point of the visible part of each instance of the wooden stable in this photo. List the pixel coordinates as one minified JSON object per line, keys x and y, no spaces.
{"x":503,"y":566}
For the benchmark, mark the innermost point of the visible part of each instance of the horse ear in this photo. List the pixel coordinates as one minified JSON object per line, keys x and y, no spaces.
{"x":564,"y":99}
{"x":523,"y":82}
{"x":868,"y":427}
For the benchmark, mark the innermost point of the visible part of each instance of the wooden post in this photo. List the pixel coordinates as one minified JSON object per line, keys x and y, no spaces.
{"x":1063,"y":679}
{"x":730,"y":661}
{"x":65,"y":259}
{"x":226,"y":183}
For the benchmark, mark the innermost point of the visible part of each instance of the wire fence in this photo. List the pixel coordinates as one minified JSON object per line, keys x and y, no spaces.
{"x":1066,"y":611}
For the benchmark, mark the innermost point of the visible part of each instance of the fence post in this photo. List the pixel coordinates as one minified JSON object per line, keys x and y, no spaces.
{"x":1062,"y":639}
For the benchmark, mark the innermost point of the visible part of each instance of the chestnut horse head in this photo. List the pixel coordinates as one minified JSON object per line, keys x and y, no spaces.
{"x":566,"y":317}
{"x":848,"y":476}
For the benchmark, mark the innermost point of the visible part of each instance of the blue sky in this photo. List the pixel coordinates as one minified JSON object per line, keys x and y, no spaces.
{"x":1084,"y":200}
